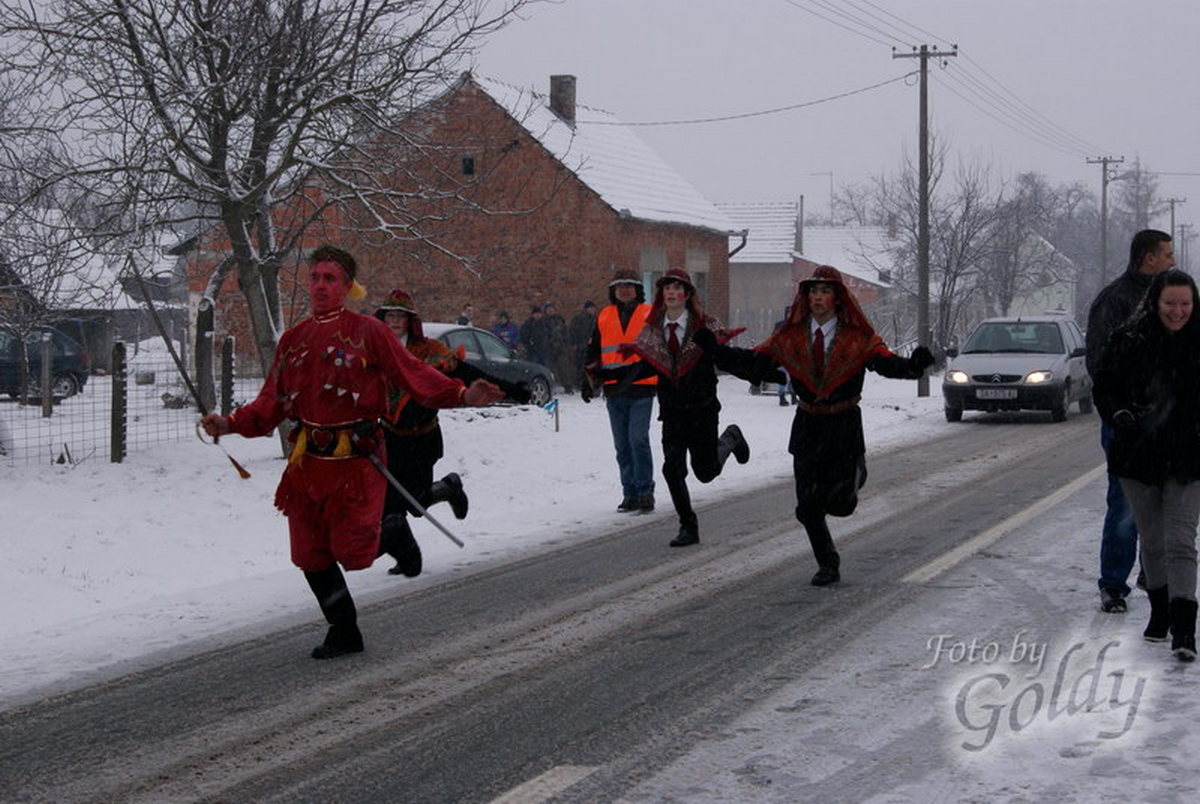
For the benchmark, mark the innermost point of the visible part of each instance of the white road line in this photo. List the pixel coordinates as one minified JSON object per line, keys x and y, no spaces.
{"x":973,"y":545}
{"x":549,"y":784}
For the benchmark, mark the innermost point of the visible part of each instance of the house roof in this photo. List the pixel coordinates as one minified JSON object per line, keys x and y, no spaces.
{"x":861,"y":251}
{"x":611,"y":159}
{"x":772,"y":229}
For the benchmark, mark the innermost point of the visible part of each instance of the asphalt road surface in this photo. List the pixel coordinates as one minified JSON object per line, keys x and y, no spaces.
{"x":586,"y":669}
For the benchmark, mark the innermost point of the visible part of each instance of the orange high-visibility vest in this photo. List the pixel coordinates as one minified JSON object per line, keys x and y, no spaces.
{"x":612,"y":336}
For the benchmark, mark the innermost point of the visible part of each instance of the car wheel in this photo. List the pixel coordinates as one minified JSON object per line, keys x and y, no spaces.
{"x":1085,"y":403}
{"x":954,"y":414}
{"x":539,"y":391}
{"x":1058,"y":412}
{"x":63,"y":386}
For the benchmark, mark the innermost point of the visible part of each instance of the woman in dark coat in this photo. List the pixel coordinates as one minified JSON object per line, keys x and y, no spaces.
{"x":826,"y":443}
{"x":1148,"y":385}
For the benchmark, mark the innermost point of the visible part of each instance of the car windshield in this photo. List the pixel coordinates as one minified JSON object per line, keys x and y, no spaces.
{"x":1015,"y":337}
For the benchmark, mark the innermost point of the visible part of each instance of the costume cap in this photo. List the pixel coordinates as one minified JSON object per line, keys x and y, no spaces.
{"x":398,"y":300}
{"x":624,"y":276}
{"x":676,"y":275}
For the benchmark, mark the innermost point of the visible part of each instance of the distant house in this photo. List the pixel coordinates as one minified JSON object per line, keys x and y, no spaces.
{"x":560,"y":195}
{"x":780,"y":252}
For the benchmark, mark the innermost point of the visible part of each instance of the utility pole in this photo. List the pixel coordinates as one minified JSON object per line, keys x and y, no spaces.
{"x":1183,"y":248}
{"x":924,"y":336}
{"x":1173,"y":202}
{"x":1105,"y":177}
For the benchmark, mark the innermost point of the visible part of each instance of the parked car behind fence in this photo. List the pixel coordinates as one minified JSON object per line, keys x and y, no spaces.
{"x":69,"y":366}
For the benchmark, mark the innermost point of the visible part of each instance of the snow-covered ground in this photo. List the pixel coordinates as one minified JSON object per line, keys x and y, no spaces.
{"x":171,"y":551}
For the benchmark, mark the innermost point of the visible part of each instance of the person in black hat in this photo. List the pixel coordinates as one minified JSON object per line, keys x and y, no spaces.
{"x":687,"y":395}
{"x":413,"y":436}
{"x":825,"y":347}
{"x":629,"y":403}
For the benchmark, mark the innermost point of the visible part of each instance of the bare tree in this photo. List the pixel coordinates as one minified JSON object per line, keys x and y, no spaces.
{"x":257,"y":116}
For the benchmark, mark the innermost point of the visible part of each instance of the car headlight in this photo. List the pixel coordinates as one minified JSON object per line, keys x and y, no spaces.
{"x":957,"y":377}
{"x":1038,"y":377}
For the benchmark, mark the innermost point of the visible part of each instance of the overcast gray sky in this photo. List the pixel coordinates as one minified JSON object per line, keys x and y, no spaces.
{"x":1038,"y":85}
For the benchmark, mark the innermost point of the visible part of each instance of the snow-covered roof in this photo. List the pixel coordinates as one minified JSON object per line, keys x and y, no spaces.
{"x":861,"y":251}
{"x":772,"y":229}
{"x":610,"y":159}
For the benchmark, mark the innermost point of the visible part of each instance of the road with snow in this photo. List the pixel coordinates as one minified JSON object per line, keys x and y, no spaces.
{"x":594,"y":668}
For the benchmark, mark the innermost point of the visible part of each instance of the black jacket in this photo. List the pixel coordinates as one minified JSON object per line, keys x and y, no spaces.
{"x":1112,"y":307}
{"x":1155,"y":376}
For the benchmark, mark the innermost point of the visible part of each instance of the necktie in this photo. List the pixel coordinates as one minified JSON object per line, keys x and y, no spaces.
{"x":819,"y":351}
{"x":673,"y":339}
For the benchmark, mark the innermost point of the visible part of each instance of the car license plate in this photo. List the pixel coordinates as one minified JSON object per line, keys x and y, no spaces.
{"x":995,"y":393}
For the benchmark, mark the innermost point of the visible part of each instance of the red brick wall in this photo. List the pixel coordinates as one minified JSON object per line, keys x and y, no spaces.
{"x":560,"y":248}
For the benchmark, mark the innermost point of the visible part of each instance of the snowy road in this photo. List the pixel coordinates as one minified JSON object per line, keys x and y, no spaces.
{"x":615,"y":663}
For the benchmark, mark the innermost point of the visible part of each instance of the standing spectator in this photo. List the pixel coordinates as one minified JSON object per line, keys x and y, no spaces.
{"x":468,"y":312}
{"x":413,"y":436}
{"x":330,"y":377}
{"x":558,"y":349}
{"x":1148,"y":386}
{"x":534,"y":336}
{"x":687,"y":395}
{"x":825,"y":347}
{"x":630,"y":402}
{"x":579,"y":332}
{"x":506,"y":330}
{"x":1150,"y":253}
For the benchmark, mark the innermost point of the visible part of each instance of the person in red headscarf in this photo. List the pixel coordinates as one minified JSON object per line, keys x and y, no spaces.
{"x":825,"y":348}
{"x":687,"y":394}
{"x":414,"y":436}
{"x":330,"y":377}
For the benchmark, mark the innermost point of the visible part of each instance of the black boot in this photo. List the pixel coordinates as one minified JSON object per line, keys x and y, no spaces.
{"x":828,"y":560}
{"x":450,"y":489}
{"x":1160,"y":615}
{"x":396,"y":539}
{"x":689,"y":530}
{"x":732,"y":442}
{"x":333,"y":596}
{"x":1183,"y":629}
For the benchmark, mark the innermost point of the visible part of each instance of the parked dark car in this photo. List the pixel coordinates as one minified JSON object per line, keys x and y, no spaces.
{"x":1026,"y":363}
{"x":69,"y":366}
{"x":486,"y":352}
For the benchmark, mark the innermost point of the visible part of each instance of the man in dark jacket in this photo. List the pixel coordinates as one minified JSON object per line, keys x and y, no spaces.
{"x":825,"y":347}
{"x":687,"y":395}
{"x":1150,"y":253}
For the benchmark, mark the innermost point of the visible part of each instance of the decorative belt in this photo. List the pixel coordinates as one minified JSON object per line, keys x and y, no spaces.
{"x":828,"y":409}
{"x":334,"y":442}
{"x":411,"y":432}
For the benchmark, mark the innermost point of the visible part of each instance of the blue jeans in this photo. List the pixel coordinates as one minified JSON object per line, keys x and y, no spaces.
{"x":630,"y":421}
{"x":1119,"y":540}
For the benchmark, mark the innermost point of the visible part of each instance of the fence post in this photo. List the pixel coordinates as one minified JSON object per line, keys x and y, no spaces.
{"x":47,"y":349}
{"x":227,"y":352}
{"x":119,"y":395}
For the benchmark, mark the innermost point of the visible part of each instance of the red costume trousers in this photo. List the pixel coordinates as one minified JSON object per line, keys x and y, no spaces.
{"x":333,"y":508}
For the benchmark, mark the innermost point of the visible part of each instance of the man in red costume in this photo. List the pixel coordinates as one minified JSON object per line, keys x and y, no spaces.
{"x":330,"y":377}
{"x":825,"y":347}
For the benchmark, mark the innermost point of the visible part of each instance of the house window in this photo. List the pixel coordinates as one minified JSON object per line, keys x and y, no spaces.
{"x":652,"y":264}
{"x":468,"y":165}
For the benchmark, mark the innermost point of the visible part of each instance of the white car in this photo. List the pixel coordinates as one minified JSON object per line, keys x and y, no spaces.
{"x":1019,"y":363}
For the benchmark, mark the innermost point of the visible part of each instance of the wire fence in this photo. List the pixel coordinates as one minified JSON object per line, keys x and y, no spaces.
{"x":154,"y":407}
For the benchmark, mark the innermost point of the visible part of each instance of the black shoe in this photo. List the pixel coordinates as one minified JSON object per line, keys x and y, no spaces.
{"x":1112,"y":602}
{"x":1140,"y":583}
{"x":339,"y":641}
{"x":826,"y":576}
{"x":628,"y":505}
{"x":1183,"y":629}
{"x":645,"y":503}
{"x":686,"y":536}
{"x":456,"y":496}
{"x":1160,"y":616}
{"x":737,"y":443}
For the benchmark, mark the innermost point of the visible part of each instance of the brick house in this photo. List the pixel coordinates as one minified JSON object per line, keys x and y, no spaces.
{"x":559,"y":196}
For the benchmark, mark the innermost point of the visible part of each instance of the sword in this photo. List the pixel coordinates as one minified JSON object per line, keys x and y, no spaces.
{"x":394,"y":483}
{"x":187,"y":380}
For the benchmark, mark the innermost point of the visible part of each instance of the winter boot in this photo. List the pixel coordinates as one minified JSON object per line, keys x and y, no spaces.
{"x":1160,"y":615}
{"x":333,"y":596}
{"x":732,"y":441}
{"x":1183,"y":629}
{"x":628,"y":505}
{"x":828,"y":560}
{"x":396,"y":539}
{"x":689,"y":534}
{"x":450,"y":489}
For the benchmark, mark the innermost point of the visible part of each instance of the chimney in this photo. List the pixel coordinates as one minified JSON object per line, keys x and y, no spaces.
{"x":562,"y":97}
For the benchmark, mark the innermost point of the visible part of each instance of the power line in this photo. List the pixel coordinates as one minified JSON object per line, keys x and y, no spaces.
{"x":724,"y":118}
{"x":908,"y":24}
{"x":1008,"y":123}
{"x":838,"y":24}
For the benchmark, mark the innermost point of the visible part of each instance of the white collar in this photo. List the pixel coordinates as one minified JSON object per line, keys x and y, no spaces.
{"x":682,"y":321}
{"x":829,"y":327}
